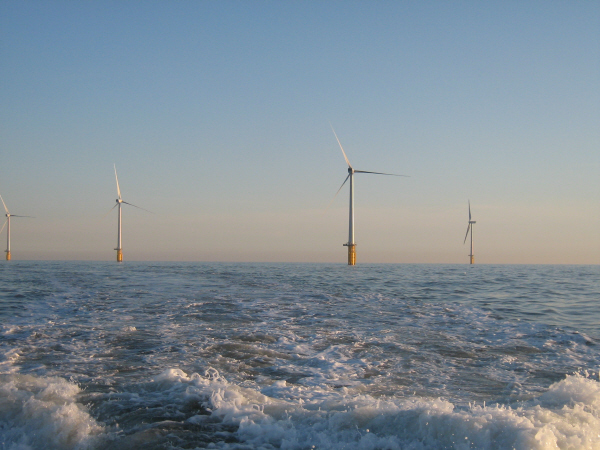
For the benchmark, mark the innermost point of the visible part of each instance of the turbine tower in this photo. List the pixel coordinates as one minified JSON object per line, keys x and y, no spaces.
{"x":351,"y":171}
{"x":470,"y":228}
{"x":120,"y":201}
{"x":7,"y":224}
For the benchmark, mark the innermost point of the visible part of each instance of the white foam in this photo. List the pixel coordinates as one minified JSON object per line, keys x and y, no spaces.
{"x":8,"y":361}
{"x":37,"y":412}
{"x":9,"y":329}
{"x":567,"y":416}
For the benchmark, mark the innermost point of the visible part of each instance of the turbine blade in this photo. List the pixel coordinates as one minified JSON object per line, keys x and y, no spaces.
{"x":381,"y":173}
{"x":14,"y":215}
{"x":468,"y":228}
{"x":5,"y":208}
{"x":109,"y":211}
{"x":138,"y":207}
{"x":117,"y":178}
{"x":469,"y":210}
{"x":338,"y":191}
{"x":2,"y":229}
{"x":345,"y":157}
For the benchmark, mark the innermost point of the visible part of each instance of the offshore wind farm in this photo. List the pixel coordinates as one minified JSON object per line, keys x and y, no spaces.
{"x":235,"y":146}
{"x":231,"y":319}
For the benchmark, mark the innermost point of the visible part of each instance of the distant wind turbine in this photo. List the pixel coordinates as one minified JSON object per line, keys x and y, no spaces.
{"x":470,"y":228}
{"x":120,"y":201}
{"x":351,"y":244}
{"x":7,"y":222}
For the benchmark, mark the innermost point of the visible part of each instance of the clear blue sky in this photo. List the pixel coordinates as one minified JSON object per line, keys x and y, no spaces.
{"x":217,"y":117}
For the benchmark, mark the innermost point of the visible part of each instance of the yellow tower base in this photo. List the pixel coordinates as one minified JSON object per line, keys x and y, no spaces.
{"x":352,"y":255}
{"x":472,"y":259}
{"x":8,"y":256}
{"x":119,"y":255}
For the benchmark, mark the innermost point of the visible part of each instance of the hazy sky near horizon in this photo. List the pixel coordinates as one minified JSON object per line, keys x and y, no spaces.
{"x":217,"y":116}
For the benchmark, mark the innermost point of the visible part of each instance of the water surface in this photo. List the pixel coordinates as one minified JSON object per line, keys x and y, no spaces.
{"x":298,"y":356}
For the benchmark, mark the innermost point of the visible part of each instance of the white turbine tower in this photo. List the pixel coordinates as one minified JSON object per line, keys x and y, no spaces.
{"x":351,"y":171}
{"x":7,"y":222}
{"x":120,"y":201}
{"x":470,"y":228}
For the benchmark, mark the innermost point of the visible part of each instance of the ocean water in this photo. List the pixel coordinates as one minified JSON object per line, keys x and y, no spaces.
{"x":298,"y":356}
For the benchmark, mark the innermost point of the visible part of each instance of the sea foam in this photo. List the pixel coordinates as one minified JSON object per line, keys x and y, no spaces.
{"x":42,"y":412}
{"x":567,"y":416}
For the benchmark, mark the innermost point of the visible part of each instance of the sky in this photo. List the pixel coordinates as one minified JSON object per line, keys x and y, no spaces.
{"x":217,"y":115}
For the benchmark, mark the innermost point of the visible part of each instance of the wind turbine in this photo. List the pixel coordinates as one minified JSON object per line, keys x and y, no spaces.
{"x":351,"y":171}
{"x":470,"y":228}
{"x":120,"y":201}
{"x":7,"y":222}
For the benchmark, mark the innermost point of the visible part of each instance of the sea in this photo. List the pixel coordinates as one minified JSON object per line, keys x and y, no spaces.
{"x":146,"y":355}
